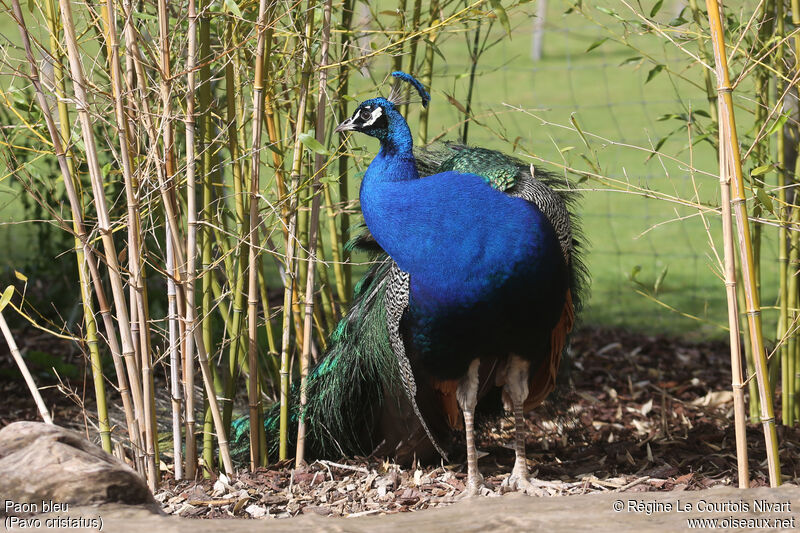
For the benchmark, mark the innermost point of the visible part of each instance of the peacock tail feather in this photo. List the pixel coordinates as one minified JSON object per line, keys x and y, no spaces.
{"x":348,"y":387}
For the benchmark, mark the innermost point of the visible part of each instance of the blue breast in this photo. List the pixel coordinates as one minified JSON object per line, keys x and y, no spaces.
{"x":486,"y":269}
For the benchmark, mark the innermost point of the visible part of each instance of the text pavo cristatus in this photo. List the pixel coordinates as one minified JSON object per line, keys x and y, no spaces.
{"x":474,"y":285}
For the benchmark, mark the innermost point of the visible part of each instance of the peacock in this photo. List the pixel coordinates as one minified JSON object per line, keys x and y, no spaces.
{"x":474,"y":285}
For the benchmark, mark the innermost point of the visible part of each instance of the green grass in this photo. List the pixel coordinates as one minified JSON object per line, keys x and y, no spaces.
{"x":625,"y":232}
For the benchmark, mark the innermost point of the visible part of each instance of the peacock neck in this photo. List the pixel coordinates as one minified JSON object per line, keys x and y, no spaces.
{"x":395,"y":160}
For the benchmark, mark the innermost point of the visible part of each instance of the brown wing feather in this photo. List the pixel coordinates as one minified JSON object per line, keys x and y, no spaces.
{"x":543,"y":380}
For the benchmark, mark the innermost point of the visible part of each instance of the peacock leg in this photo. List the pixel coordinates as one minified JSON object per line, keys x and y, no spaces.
{"x":517,"y":388}
{"x":467,"y":395}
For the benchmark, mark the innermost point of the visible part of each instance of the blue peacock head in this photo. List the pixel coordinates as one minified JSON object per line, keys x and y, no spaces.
{"x":379,"y":117}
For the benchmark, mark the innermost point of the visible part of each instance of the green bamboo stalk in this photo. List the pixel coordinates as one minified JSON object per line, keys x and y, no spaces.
{"x":711,"y":91}
{"x":761,"y":152}
{"x":745,"y":245}
{"x":94,"y":351}
{"x":207,"y":238}
{"x":427,"y":73}
{"x":334,"y":236}
{"x":319,"y":162}
{"x":342,"y":269}
{"x":412,"y":55}
{"x":254,"y":393}
{"x":473,"y":57}
{"x":400,"y":39}
{"x":292,"y":233}
{"x":787,"y":379}
{"x":792,"y":354}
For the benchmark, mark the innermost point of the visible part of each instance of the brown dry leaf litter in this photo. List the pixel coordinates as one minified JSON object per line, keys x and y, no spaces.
{"x":647,"y":413}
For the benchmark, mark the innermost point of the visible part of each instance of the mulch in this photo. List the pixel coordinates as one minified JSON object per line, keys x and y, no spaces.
{"x":645,"y":413}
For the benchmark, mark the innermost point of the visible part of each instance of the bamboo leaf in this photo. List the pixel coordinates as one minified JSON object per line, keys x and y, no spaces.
{"x":765,"y":200}
{"x":596,"y":44}
{"x":763,"y":169}
{"x":779,"y":123}
{"x":610,"y":12}
{"x":6,"y":297}
{"x":500,"y":11}
{"x":633,"y":59}
{"x":660,"y":280}
{"x":20,"y":276}
{"x":231,"y":4}
{"x":456,"y":104}
{"x":653,"y":72}
{"x":312,"y":144}
{"x":656,"y":8}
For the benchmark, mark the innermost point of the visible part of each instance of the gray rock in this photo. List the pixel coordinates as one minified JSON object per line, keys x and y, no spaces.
{"x":42,"y":463}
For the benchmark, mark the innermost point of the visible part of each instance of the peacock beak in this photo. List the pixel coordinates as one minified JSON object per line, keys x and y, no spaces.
{"x":346,"y":125}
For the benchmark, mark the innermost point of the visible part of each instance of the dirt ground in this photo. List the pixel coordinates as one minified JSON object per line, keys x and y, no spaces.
{"x":646,"y":414}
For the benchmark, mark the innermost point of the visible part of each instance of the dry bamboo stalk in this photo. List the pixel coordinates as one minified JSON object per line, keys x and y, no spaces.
{"x":104,"y":223}
{"x":23,"y":368}
{"x":174,"y":360}
{"x":319,"y":162}
{"x":292,"y":233}
{"x":254,"y":394}
{"x":726,"y":115}
{"x":139,"y":322}
{"x":92,"y":343}
{"x":169,"y":210}
{"x":191,"y":216}
{"x":64,"y":165}
{"x":740,"y":417}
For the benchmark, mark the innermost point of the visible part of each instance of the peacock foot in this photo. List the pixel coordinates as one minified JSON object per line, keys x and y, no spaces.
{"x":519,"y":481}
{"x":475,"y":487}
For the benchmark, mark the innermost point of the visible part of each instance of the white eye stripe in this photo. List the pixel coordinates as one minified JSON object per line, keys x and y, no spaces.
{"x":375,"y":116}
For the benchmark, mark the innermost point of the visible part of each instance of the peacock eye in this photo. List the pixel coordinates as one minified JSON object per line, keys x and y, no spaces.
{"x":365,"y":115}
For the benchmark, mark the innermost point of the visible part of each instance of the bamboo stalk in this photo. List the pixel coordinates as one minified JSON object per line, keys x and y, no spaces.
{"x":787,"y":379}
{"x":169,"y":210}
{"x":342,"y":270}
{"x":292,"y":233}
{"x":427,"y":74}
{"x":254,"y":393}
{"x":739,"y":415}
{"x":92,"y":344}
{"x":745,"y":245}
{"x":206,"y":236}
{"x":174,"y":360}
{"x":23,"y":368}
{"x":104,"y":224}
{"x":94,"y":351}
{"x":473,"y":56}
{"x":412,"y":55}
{"x":319,"y":162}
